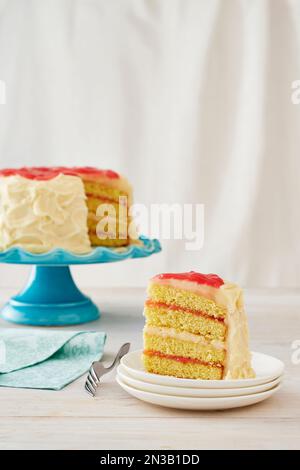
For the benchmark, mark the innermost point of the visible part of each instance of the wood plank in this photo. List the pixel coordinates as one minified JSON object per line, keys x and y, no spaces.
{"x":112,"y":401}
{"x":154,"y":433}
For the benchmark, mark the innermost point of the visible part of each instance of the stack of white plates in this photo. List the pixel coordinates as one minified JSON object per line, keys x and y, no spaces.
{"x":198,"y":394}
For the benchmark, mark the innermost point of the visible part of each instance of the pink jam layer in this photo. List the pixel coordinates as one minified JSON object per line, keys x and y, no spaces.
{"x":108,"y":200}
{"x":48,"y":173}
{"x":176,"y":308}
{"x":183,"y":360}
{"x":208,"y":279}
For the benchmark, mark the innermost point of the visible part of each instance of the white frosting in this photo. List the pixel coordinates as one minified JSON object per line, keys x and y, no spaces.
{"x":230,"y":297}
{"x":238,"y":358}
{"x":165,"y":332}
{"x":41,"y":215}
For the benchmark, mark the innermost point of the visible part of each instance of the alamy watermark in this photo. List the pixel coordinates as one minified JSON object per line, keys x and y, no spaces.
{"x":163,"y":221}
{"x":295,"y":358}
{"x":295,"y":96}
{"x":2,"y":92}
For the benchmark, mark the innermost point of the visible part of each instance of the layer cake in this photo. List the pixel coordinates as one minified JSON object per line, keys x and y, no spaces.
{"x":43,"y":208}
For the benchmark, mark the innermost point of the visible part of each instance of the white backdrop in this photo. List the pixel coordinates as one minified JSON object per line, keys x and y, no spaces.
{"x":191,"y":99}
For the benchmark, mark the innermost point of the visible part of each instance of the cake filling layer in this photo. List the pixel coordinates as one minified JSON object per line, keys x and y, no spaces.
{"x":180,"y":320}
{"x":197,"y":313}
{"x":165,"y":332}
{"x":175,"y":346}
{"x":184,"y":360}
{"x":102,"y":199}
{"x":181,"y":298}
{"x":187,"y":370}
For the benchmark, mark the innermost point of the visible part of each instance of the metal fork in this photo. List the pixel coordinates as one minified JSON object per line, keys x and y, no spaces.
{"x":97,"y":370}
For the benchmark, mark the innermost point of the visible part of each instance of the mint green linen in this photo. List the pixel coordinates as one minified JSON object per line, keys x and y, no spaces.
{"x":46,"y":359}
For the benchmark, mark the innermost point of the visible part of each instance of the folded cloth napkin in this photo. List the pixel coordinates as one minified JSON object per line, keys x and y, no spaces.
{"x":48,"y":359}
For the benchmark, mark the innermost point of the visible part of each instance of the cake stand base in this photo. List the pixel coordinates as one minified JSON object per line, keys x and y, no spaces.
{"x":50,"y":298}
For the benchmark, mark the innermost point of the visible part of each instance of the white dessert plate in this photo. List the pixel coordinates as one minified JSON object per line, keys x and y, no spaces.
{"x":189,"y":403}
{"x":194,"y":392}
{"x":267,"y":368}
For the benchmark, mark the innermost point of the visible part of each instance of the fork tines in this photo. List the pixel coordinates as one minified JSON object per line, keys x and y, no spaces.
{"x":92,"y":382}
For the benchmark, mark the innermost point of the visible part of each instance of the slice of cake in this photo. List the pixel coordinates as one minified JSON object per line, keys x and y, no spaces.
{"x":72,"y":208}
{"x":196,"y":327}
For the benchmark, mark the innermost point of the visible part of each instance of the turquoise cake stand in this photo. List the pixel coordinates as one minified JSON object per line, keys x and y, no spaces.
{"x":51,"y":296}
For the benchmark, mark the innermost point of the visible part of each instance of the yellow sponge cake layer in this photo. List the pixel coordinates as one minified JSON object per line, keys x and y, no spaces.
{"x":164,"y":316}
{"x":96,"y":241}
{"x":172,"y":366}
{"x":169,"y":341}
{"x":94,"y":202}
{"x":185,"y":299}
{"x":99,"y":190}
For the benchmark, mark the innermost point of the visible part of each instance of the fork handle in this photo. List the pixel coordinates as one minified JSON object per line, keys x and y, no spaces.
{"x":122,"y":351}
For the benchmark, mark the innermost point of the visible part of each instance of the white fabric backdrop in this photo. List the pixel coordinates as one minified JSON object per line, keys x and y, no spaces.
{"x":191,"y":99}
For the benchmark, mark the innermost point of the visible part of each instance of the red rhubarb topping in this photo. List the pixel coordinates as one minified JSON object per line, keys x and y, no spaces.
{"x":209,"y":279}
{"x":48,"y":173}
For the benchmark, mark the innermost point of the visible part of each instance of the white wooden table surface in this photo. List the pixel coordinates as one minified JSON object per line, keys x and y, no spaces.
{"x":70,"y":419}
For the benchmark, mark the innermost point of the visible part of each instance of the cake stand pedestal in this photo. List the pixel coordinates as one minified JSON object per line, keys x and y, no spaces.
{"x":51,"y":296}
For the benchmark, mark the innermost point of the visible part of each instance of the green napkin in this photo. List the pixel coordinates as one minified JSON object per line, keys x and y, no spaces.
{"x":47,"y":359}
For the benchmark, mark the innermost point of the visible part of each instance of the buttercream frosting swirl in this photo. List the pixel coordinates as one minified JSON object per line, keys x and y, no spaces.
{"x":41,"y":215}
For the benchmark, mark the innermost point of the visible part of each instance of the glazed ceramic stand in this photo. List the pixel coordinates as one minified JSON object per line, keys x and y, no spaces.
{"x":51,"y":296}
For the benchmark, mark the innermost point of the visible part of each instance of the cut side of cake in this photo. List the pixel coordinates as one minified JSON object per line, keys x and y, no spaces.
{"x":196,"y":327}
{"x":106,"y":187}
{"x":43,"y":208}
